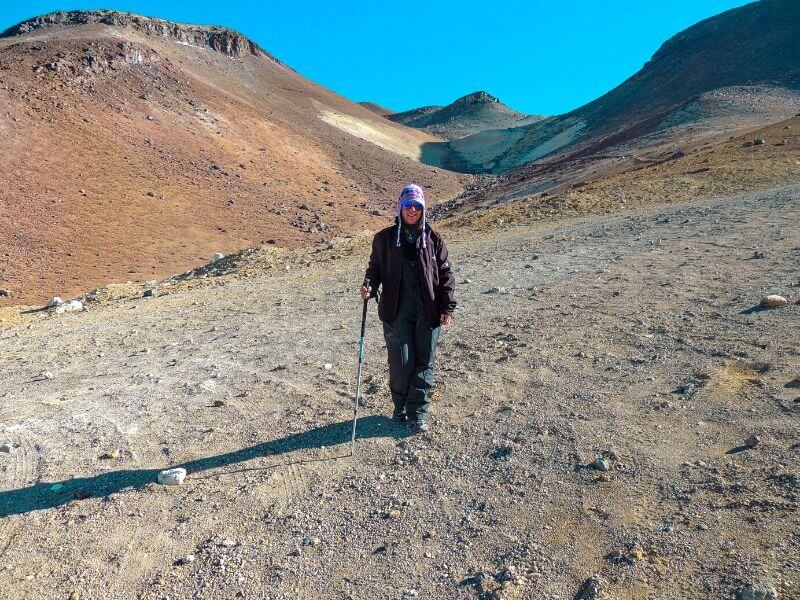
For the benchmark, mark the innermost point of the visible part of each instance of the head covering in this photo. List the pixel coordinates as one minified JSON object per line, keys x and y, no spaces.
{"x":410,"y":192}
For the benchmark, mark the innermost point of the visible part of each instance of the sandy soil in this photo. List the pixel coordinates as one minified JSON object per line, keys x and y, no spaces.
{"x":633,"y":337}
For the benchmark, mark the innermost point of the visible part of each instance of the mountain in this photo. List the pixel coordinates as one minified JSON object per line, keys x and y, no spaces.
{"x":751,"y":53}
{"x":134,"y":148}
{"x":468,"y":115}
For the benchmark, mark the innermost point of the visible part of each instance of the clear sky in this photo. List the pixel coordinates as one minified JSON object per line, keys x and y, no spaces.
{"x":538,"y":56}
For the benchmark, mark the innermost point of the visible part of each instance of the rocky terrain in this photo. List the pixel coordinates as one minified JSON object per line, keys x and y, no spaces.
{"x":135,"y":148}
{"x":473,"y":113}
{"x":615,"y":417}
{"x":751,"y":47}
{"x":672,"y":169}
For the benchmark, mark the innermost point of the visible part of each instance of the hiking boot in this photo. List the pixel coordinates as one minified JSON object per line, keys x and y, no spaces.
{"x":399,"y":415}
{"x":419,"y":426}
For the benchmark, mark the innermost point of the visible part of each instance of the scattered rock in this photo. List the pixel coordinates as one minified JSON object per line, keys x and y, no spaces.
{"x":172,"y":476}
{"x":7,"y":448}
{"x":747,"y":145}
{"x":677,"y":155}
{"x":111,"y":454}
{"x":592,"y":589}
{"x":151,"y":293}
{"x":328,"y":366}
{"x":216,"y":257}
{"x":151,"y":194}
{"x":218,"y":403}
{"x":496,"y":290}
{"x":601,"y":464}
{"x":67,"y":307}
{"x":758,"y":142}
{"x":760,"y":590}
{"x":47,"y":375}
{"x":752,"y":441}
{"x":189,"y":558}
{"x":774,"y":301}
{"x":228,"y":543}
{"x":55,"y":301}
{"x":5,"y":293}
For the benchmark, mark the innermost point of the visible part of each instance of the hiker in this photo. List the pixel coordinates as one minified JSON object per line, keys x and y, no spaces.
{"x":409,"y":260}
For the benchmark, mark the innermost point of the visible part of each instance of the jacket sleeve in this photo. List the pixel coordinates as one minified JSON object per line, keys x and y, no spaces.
{"x":374,"y":267}
{"x":445,"y":291}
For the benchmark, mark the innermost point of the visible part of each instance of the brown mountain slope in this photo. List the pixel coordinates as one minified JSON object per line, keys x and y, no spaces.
{"x":753,"y":46}
{"x":135,"y":148}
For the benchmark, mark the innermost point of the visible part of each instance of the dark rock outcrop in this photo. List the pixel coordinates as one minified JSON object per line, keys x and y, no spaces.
{"x":220,"y":39}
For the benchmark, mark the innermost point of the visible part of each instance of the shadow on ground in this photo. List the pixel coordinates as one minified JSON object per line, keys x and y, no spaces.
{"x":42,"y":495}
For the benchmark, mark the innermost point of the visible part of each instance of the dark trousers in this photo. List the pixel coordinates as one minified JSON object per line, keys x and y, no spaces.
{"x":411,"y":345}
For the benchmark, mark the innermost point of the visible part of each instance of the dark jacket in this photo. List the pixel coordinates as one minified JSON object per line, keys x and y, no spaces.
{"x":385,"y":266}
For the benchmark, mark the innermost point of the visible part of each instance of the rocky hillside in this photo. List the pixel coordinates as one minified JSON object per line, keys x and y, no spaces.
{"x":470,"y":114}
{"x":752,"y":46}
{"x":135,"y":147}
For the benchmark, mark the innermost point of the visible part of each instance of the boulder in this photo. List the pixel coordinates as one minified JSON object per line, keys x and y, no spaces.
{"x":172,"y":476}
{"x":71,"y":306}
{"x":774,"y":301}
{"x":757,"y":591}
{"x":752,"y":441}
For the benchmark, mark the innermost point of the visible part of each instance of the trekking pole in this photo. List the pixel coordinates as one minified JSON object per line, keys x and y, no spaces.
{"x":358,"y":373}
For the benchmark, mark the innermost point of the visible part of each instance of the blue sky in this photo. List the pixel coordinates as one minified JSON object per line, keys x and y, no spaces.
{"x":537,"y":56}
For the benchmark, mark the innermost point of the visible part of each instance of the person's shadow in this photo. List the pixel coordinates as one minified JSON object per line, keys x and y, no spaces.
{"x":43,"y":495}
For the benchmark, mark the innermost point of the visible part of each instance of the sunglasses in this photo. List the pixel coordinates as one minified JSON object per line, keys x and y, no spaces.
{"x":412,"y":205}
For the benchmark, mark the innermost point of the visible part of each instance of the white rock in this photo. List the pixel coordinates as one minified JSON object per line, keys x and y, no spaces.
{"x":47,"y":375}
{"x":172,"y":476}
{"x":71,"y":306}
{"x":216,"y":257}
{"x":55,"y":301}
{"x":774,"y":301}
{"x":228,"y":543}
{"x":328,"y":366}
{"x":761,"y":590}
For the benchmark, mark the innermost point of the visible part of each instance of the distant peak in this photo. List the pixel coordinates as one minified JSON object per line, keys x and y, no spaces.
{"x":220,"y":39}
{"x":477,"y":98}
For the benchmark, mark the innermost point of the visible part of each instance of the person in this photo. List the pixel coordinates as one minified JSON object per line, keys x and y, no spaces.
{"x":410,"y":263}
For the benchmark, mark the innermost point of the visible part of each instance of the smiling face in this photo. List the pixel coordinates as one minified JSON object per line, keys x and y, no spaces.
{"x":411,"y":213}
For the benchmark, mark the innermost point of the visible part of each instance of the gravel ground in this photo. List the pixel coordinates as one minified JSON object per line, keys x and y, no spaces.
{"x":631,"y":342}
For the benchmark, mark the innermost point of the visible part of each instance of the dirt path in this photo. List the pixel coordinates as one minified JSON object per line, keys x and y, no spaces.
{"x":626,"y":337}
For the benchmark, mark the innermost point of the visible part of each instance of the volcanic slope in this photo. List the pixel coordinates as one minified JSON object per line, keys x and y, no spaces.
{"x":134,"y":148}
{"x":736,"y":70}
{"x":468,"y":115}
